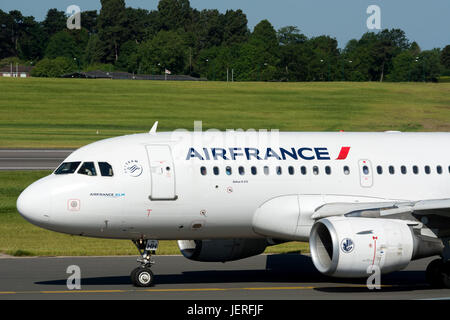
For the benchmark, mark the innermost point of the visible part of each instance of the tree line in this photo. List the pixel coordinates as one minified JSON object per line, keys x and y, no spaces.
{"x":209,"y":44}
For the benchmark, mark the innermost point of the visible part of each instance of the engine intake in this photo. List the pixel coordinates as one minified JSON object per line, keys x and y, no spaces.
{"x":346,"y":247}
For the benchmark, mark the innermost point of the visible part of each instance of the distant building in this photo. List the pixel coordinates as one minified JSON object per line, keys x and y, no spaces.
{"x":15,"y":71}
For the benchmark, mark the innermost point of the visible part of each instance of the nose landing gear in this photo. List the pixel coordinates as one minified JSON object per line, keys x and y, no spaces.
{"x":142,"y":276}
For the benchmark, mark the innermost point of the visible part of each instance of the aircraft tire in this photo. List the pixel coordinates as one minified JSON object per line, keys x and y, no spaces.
{"x":438,"y":274}
{"x":142,"y":277}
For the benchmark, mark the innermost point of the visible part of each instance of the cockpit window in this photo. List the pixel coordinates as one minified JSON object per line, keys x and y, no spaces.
{"x":67,"y":168}
{"x":87,"y":168}
{"x":105,"y":169}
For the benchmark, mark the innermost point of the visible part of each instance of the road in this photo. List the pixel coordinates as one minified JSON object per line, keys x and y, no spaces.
{"x":264,"y":277}
{"x":32,"y":159}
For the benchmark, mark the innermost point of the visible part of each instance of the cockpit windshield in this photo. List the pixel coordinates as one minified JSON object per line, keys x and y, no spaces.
{"x":67,"y":168}
{"x":88,"y":168}
{"x":105,"y":169}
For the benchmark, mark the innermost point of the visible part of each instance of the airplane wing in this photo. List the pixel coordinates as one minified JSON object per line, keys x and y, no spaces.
{"x":379,"y":209}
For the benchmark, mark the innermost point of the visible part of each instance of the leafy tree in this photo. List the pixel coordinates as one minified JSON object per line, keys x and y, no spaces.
{"x":128,"y":59}
{"x":430,"y":64}
{"x":174,"y":14}
{"x":89,"y":21}
{"x":265,"y":35}
{"x":32,"y":39}
{"x":290,"y":35}
{"x":324,"y":59}
{"x":141,"y":24}
{"x":7,"y":45}
{"x":445,"y":59}
{"x":213,"y":62}
{"x":165,"y":51}
{"x":112,"y":28}
{"x":389,"y":44}
{"x":52,"y":68}
{"x":209,"y":29}
{"x":54,"y":22}
{"x":235,"y":30}
{"x":404,"y":68}
{"x":68,"y":43}
{"x":94,"y":51}
{"x":258,"y":57}
{"x":61,"y":44}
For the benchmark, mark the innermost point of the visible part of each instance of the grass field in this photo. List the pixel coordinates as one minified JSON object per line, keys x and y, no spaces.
{"x":38,"y":112}
{"x":20,"y":238}
{"x":69,"y":113}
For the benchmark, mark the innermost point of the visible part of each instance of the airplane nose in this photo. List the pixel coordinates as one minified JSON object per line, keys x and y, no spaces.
{"x":34,"y":205}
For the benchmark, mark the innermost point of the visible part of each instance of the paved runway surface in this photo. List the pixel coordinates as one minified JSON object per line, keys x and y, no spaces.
{"x":31,"y":159}
{"x":262,"y":277}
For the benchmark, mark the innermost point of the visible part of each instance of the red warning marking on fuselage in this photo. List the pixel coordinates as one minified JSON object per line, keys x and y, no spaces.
{"x":375,"y":248}
{"x":343,"y":153}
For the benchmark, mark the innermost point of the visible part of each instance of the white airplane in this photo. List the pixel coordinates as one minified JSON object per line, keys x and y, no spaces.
{"x":360,"y":199}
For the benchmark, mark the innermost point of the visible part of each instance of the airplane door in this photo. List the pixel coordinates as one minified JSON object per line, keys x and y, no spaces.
{"x":162,"y":172}
{"x":365,"y":173}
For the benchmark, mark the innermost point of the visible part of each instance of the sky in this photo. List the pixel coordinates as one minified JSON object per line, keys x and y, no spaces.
{"x":426,"y":22}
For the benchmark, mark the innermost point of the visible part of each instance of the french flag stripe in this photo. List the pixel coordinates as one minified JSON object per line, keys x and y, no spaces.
{"x":343,"y":153}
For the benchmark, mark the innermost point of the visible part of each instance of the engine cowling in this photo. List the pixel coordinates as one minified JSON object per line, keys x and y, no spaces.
{"x":346,"y":247}
{"x":221,"y":250}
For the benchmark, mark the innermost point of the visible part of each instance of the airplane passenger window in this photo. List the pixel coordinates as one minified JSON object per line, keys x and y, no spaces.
{"x":328,"y":170}
{"x":266,"y":170}
{"x":254,"y":171}
{"x":365,"y":170}
{"x":439,"y":169}
{"x":427,"y":169}
{"x":216,"y":171}
{"x":415,"y":169}
{"x":316,"y":170}
{"x":203,"y":171}
{"x":346,"y":170}
{"x":303,"y":170}
{"x":279,"y":170}
{"x":67,"y":168}
{"x":379,"y":169}
{"x":105,"y":169}
{"x":291,"y":170}
{"x":87,"y":168}
{"x":391,"y":170}
{"x":241,"y":171}
{"x":403,"y":169}
{"x":228,"y":171}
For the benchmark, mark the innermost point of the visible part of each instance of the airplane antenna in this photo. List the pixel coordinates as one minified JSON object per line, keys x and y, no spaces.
{"x":153,"y":129}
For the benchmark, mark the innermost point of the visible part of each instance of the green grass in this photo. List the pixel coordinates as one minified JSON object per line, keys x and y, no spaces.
{"x":20,"y":238}
{"x":38,"y":112}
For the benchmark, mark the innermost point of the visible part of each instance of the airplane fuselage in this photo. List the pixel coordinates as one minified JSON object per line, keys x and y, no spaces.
{"x":166,"y":186}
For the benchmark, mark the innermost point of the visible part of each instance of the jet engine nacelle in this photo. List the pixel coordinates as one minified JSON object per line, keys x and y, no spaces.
{"x":346,"y":247}
{"x":221,"y":250}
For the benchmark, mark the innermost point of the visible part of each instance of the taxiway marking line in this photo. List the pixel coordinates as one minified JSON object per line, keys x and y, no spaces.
{"x":152,"y":290}
{"x":173,"y":290}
